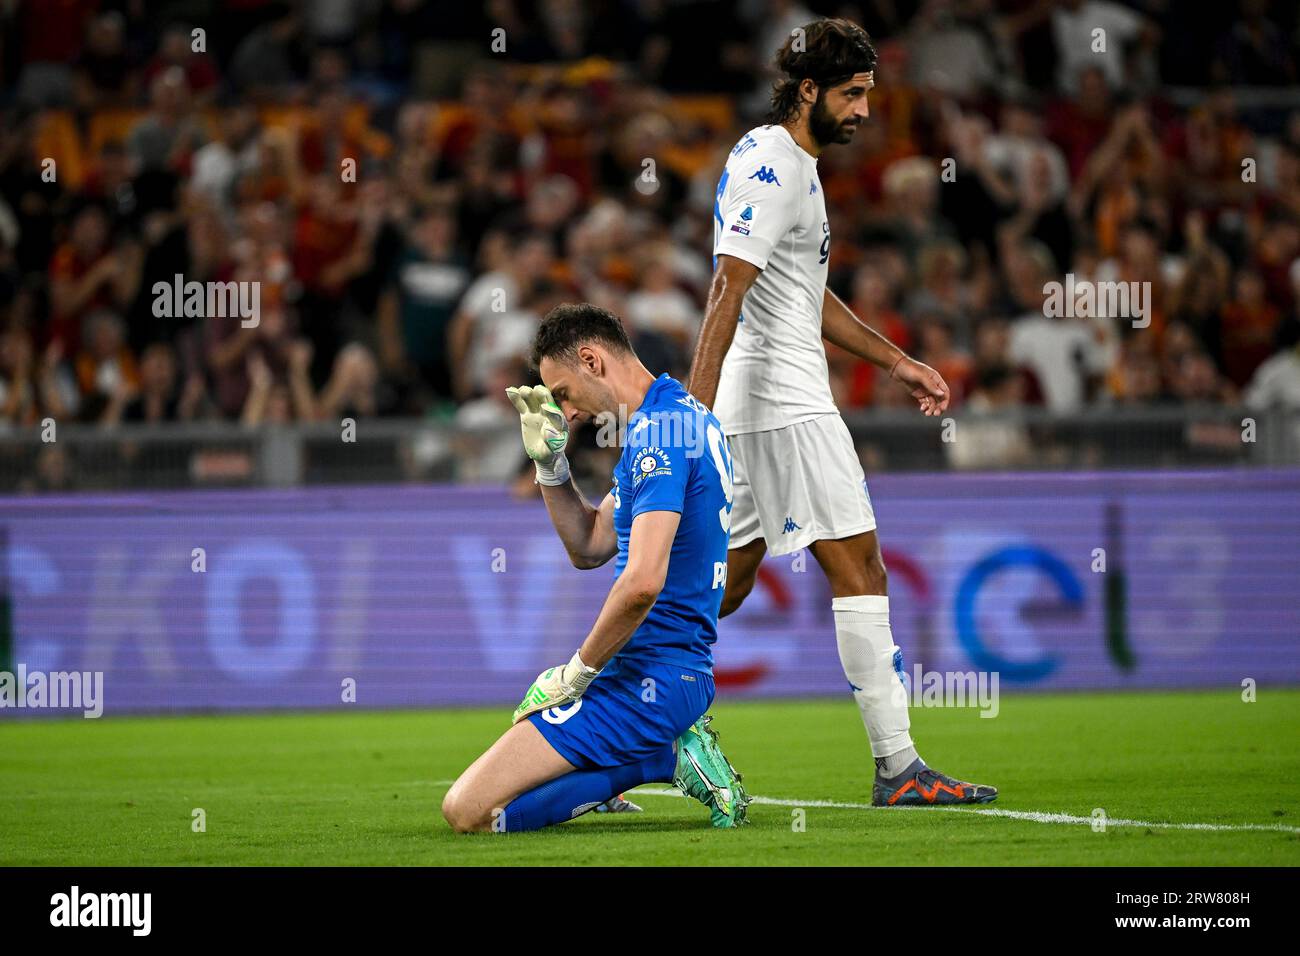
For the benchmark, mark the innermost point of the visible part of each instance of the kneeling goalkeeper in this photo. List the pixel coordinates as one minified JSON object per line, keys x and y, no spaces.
{"x":628,"y":708}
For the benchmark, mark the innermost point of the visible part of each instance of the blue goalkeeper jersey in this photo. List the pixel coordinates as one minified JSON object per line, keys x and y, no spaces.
{"x":675,"y":458}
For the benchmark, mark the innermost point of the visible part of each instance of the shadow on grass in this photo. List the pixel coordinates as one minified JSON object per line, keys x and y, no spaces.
{"x":628,"y":823}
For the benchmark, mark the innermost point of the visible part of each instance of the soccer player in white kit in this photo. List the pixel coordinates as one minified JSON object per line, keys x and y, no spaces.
{"x":761,"y":366}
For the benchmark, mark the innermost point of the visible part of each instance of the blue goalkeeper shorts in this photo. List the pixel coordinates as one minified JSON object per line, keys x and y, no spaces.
{"x":627,"y":714}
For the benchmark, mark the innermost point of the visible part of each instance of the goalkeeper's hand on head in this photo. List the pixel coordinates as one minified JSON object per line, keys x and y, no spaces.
{"x":545,"y":432}
{"x":557,"y":685}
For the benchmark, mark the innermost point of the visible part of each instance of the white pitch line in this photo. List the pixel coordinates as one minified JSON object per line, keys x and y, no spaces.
{"x":1032,"y":816}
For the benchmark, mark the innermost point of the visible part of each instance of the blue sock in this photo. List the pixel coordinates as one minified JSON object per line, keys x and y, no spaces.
{"x":583,"y":790}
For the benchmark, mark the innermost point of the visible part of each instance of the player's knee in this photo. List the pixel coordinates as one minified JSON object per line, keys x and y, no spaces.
{"x":459,"y":813}
{"x":451,"y":811}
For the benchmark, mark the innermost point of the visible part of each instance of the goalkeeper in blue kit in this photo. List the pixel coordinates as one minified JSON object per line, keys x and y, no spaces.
{"x":629,"y":706}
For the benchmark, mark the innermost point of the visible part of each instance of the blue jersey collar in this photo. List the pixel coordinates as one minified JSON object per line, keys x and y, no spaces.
{"x":653,"y":392}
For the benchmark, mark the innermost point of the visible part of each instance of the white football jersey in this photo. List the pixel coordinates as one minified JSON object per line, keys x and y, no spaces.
{"x":770,"y":211}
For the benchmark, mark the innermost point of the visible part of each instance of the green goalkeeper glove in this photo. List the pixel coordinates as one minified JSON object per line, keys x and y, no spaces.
{"x":545,"y":432}
{"x":557,"y":685}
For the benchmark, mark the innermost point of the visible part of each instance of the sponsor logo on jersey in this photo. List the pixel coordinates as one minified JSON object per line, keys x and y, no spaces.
{"x":812,"y":188}
{"x":765,"y":175}
{"x":745,"y":221}
{"x":649,"y":462}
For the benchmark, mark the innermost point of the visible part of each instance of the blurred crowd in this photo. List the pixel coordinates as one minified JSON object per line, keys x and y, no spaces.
{"x":414,"y":183}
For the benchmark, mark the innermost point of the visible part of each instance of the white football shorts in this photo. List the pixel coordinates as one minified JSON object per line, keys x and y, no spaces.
{"x":798,"y":484}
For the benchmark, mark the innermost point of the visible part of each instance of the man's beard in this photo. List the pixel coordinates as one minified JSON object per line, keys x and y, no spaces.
{"x":824,"y":127}
{"x":603,"y":398}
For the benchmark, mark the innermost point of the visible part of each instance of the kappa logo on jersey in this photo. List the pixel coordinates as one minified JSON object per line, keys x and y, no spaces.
{"x":745,"y":221}
{"x":790,"y":526}
{"x":649,"y":462}
{"x":765,"y":175}
{"x":812,"y":188}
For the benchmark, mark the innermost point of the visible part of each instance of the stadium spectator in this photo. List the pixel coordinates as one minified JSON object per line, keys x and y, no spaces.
{"x":416,"y":310}
{"x":1276,"y":384}
{"x":872,"y":301}
{"x":997,"y":441}
{"x":911,"y":217}
{"x":353,"y":387}
{"x":494,"y":308}
{"x":658,"y":305}
{"x":1200,"y":296}
{"x":1075,"y":24}
{"x":233,"y":154}
{"x":1067,"y":353}
{"x":105,"y":366}
{"x":1079,"y":124}
{"x":176,"y":50}
{"x":158,"y":398}
{"x":1135,"y":378}
{"x":935,"y":347}
{"x":487,"y":441}
{"x":1250,"y":323}
{"x":941,"y":293}
{"x":1254,"y":51}
{"x":1195,"y":380}
{"x":954,"y":51}
{"x":87,"y":273}
{"x":103,"y":71}
{"x":277,"y":398}
{"x":168,"y":135}
{"x":267,"y":62}
{"x":32,"y":390}
{"x":236,"y":354}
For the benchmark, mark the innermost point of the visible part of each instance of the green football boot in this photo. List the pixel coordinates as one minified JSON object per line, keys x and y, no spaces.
{"x":705,"y":773}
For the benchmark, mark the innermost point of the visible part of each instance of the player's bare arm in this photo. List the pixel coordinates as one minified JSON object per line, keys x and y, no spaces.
{"x":637,"y":588}
{"x":587,"y":532}
{"x":732,"y":278}
{"x":841,"y":327}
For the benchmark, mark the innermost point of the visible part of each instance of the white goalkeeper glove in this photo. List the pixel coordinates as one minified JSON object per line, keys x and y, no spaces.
{"x":545,"y":432}
{"x":558,"y":685}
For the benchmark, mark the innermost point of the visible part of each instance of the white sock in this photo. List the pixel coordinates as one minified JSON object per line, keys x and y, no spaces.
{"x":867,"y":652}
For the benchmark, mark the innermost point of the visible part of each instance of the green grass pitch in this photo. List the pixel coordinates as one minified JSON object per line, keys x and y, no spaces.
{"x":365,"y":788}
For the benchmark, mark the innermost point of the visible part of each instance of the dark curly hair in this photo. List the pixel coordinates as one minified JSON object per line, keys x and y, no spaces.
{"x":831,"y":51}
{"x":570,"y":324}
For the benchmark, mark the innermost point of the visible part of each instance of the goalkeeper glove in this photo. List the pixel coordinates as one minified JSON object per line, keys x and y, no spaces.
{"x":557,"y":685}
{"x":545,"y":432}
